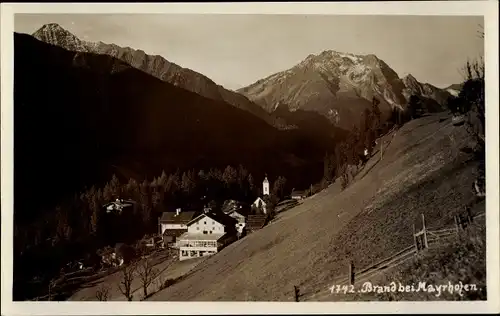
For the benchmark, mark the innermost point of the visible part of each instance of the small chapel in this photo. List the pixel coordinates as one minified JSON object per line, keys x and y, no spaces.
{"x":259,"y":202}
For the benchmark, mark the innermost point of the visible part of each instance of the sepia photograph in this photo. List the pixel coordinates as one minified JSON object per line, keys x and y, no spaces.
{"x":249,"y":157}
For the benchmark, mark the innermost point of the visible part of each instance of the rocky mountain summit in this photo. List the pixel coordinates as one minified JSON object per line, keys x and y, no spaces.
{"x":426,"y":90}
{"x":339,"y":86}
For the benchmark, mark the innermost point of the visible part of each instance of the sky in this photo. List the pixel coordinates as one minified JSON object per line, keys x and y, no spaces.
{"x":237,"y":50}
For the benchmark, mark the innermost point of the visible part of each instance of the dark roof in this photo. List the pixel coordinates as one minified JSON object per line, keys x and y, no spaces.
{"x":119,"y":205}
{"x":174,"y":232}
{"x":236,"y":211}
{"x":230,"y":205}
{"x":243,"y":211}
{"x":219,"y":217}
{"x":182,"y":218}
{"x":256,"y":221}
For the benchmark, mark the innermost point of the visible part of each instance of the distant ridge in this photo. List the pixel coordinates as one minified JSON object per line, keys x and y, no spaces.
{"x":156,"y":66}
{"x":81,"y":117}
{"x":339,"y":86}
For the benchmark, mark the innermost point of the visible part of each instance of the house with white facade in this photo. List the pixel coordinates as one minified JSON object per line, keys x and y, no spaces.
{"x":260,"y":204}
{"x":207,"y":234}
{"x":118,"y":206}
{"x":173,"y":224}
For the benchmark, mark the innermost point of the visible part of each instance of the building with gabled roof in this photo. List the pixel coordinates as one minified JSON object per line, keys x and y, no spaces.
{"x":260,"y":204}
{"x":118,"y":205}
{"x":206,"y":235}
{"x":239,"y":215}
{"x":173,"y":224}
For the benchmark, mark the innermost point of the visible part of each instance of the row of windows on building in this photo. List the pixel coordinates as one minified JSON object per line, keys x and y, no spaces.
{"x":186,"y":253}
{"x":205,"y":222}
{"x":213,"y":228}
{"x":198,"y":243}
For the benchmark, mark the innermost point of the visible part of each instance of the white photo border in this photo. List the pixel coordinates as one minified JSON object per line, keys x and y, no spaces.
{"x":487,"y":9}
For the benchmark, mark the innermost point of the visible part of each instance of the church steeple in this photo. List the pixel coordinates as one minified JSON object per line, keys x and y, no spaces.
{"x":265,"y":186}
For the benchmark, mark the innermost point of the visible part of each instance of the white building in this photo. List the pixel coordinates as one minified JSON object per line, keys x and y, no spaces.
{"x":118,"y":205}
{"x":206,"y":235}
{"x":171,"y":225}
{"x":265,"y":187}
{"x":260,"y":204}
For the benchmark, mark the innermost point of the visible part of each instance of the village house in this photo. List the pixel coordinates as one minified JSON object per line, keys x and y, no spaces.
{"x":207,"y":234}
{"x":230,"y":205}
{"x":260,"y":204}
{"x":173,"y":224}
{"x":239,"y":216}
{"x":298,"y":195}
{"x":118,"y":205}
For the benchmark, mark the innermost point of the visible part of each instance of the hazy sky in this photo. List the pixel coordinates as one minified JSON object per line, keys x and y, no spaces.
{"x":237,"y":50}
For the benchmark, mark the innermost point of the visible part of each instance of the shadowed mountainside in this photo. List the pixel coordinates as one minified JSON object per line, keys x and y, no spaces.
{"x":156,"y":66}
{"x":80,"y":117}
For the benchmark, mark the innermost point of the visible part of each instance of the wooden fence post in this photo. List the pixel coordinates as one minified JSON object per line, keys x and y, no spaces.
{"x":415,"y":238}
{"x":297,"y":293}
{"x":351,"y":273}
{"x":381,"y":149}
{"x":457,"y":226}
{"x":469,"y":215}
{"x":426,"y":244}
{"x":51,"y":285}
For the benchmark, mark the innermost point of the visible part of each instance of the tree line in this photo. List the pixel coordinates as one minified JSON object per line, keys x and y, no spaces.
{"x":80,"y":225}
{"x":470,"y":104}
{"x":470,"y":100}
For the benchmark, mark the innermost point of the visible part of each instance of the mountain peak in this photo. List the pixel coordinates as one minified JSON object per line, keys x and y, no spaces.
{"x":341,"y":57}
{"x":410,"y":80}
{"x":329,"y":83}
{"x":329,"y":56}
{"x":55,"y":34}
{"x":336,"y":54}
{"x":52,"y":27}
{"x":410,"y":77}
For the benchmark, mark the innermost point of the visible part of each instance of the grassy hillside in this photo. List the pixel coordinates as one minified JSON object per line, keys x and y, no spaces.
{"x":456,"y":260}
{"x":422,"y":171}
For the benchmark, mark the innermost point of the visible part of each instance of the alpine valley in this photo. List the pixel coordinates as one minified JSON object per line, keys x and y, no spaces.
{"x":95,"y":122}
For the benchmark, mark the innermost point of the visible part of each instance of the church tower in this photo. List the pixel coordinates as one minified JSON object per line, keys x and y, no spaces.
{"x":265,"y":186}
